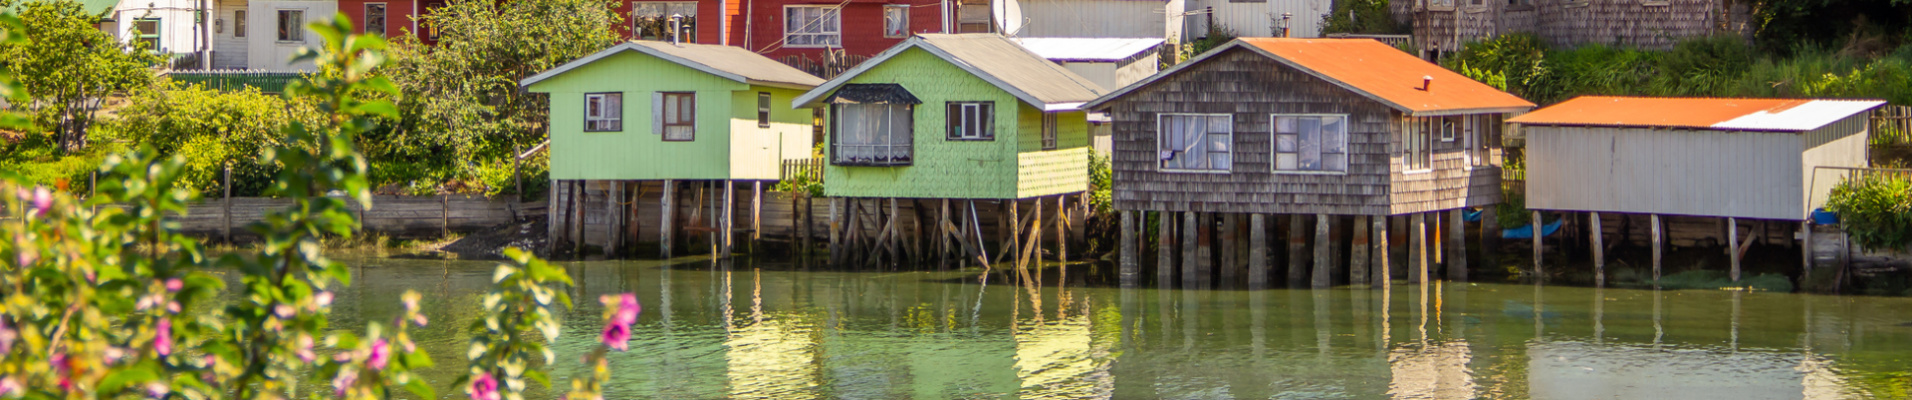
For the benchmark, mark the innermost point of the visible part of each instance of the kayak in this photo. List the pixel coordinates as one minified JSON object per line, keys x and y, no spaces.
{"x":1527,"y":231}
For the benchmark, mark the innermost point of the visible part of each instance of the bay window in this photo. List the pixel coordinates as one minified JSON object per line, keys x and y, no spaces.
{"x":872,"y":134}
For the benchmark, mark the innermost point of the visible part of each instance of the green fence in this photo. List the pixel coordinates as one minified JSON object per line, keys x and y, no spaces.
{"x":268,"y":82}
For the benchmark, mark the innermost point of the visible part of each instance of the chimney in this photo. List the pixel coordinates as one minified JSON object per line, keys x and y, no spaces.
{"x":1427,"y":83}
{"x":1285,"y":30}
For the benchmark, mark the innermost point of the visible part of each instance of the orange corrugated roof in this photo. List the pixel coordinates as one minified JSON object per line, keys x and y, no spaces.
{"x":1670,"y":112}
{"x":1388,"y":74}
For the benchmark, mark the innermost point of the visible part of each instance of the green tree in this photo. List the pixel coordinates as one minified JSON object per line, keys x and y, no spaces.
{"x":1361,"y":16}
{"x":462,"y":105}
{"x":68,"y":67}
{"x":213,"y":130}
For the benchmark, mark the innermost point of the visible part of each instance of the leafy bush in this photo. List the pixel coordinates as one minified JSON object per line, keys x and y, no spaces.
{"x":214,"y":129}
{"x":1217,"y":36}
{"x":1875,"y":209}
{"x":1361,"y":16}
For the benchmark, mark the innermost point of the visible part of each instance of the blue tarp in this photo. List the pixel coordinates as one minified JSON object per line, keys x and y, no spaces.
{"x":1472,"y":215}
{"x":1527,"y":231}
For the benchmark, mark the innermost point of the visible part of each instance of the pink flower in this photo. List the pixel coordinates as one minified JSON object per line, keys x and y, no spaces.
{"x":322,"y":299}
{"x":344,"y":381}
{"x":7,"y":335}
{"x":305,"y":349}
{"x":381,"y":354}
{"x":9,"y":386}
{"x":42,"y":201}
{"x":157,"y":390}
{"x":163,"y":341}
{"x":627,"y":309}
{"x":419,"y":319}
{"x":617,"y":330}
{"x":173,"y":285}
{"x":484,"y":388}
{"x":617,"y":336}
{"x":283,"y":311}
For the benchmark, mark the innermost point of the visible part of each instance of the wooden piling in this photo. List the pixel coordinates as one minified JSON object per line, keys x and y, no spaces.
{"x":1297,"y":244}
{"x":1204,"y":249}
{"x":729,"y":226}
{"x":1417,"y":249}
{"x":1129,"y":266}
{"x":1190,"y":242}
{"x":1323,"y":253}
{"x":611,"y":195}
{"x":1658,"y":240}
{"x":1230,"y":236}
{"x":1732,"y":244}
{"x":577,"y":207}
{"x":1257,"y":251}
{"x":1062,"y":230}
{"x":1599,"y":252}
{"x":1164,"y":248}
{"x":1457,"y":259}
{"x":1358,"y":253}
{"x":1536,"y":225}
{"x":756,"y":214}
{"x":1383,"y":275}
{"x":836,"y":231}
{"x":668,"y":213}
{"x":1013,"y":230}
{"x":1489,"y":236}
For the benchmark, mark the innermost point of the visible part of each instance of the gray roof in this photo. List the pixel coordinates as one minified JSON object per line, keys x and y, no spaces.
{"x":1089,"y":49}
{"x":993,"y":58}
{"x":732,"y":63}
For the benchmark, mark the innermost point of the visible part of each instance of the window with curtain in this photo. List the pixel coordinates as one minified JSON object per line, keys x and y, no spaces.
{"x":651,"y":20}
{"x":896,"y":20}
{"x":1417,"y":142}
{"x":679,"y":116}
{"x":971,"y":120}
{"x":1048,"y":131}
{"x":291,"y":25}
{"x":375,"y":18}
{"x":811,"y":26}
{"x":603,"y":112}
{"x":763,"y":109}
{"x":1195,"y":142}
{"x":874,"y":134}
{"x":1311,"y":143}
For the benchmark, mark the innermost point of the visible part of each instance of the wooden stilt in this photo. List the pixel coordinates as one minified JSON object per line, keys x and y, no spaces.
{"x":1062,"y":227}
{"x":1297,"y":245}
{"x":809,"y":223}
{"x":1257,"y":251}
{"x":554,"y":224}
{"x":1013,"y":231}
{"x":667,"y":213}
{"x":1457,"y":256}
{"x":729,"y":226}
{"x":756,"y":214}
{"x":577,"y":207}
{"x":796,"y":224}
{"x":836,"y":231}
{"x":614,"y":191}
{"x":1536,"y":224}
{"x":1129,"y":266}
{"x":1164,"y":248}
{"x":1599,"y":252}
{"x":942,"y":240}
{"x":1323,"y":253}
{"x":1190,"y":243}
{"x":1732,"y":242}
{"x":1358,"y":253}
{"x":1805,"y":248}
{"x":918,"y":249}
{"x":1437,"y":241}
{"x":1417,"y":249}
{"x":976,"y":224}
{"x":1230,"y":236}
{"x":894,"y":232}
{"x":1204,"y":249}
{"x":1658,"y":240}
{"x":1383,"y":276}
{"x":1489,"y":237}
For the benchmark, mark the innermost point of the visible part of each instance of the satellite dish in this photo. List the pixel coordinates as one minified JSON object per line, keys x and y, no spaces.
{"x":1008,"y":15}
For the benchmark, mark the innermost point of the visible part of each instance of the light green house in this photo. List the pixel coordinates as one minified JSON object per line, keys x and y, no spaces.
{"x":647,"y":110}
{"x":971,"y":116}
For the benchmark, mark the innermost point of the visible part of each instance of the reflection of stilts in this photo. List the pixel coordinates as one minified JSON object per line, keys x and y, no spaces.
{"x":1599,"y":313}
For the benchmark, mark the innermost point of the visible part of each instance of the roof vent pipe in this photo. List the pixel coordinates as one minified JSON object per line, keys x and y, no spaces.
{"x":1427,"y":82}
{"x":1285,"y":30}
{"x":677,"y":28}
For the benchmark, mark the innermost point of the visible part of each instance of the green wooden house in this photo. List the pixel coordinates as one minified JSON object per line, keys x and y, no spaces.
{"x":955,"y":116}
{"x":671,"y":112}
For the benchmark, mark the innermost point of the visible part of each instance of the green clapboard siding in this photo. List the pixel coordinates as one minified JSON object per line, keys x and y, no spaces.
{"x":1011,"y":166}
{"x":728,"y":145}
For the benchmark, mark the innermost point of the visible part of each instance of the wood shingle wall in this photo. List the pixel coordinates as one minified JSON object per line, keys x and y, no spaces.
{"x":1648,"y":24}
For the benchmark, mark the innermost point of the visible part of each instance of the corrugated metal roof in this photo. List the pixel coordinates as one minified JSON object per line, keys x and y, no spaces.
{"x":734,"y":63}
{"x":1088,"y":49}
{"x":1788,"y":115}
{"x":1372,"y":69}
{"x":993,"y":58}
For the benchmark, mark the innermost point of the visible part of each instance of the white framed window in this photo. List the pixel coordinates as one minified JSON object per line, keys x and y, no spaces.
{"x":239,"y":23}
{"x":676,"y":115}
{"x":763,"y":109}
{"x":291,"y":25}
{"x":896,"y":20}
{"x":1481,"y":139}
{"x":1311,"y":142}
{"x":1195,"y":142}
{"x":872,"y":134}
{"x":1048,"y":131}
{"x":1417,"y":143}
{"x":603,"y":112}
{"x":147,"y":31}
{"x":651,"y":20}
{"x":1449,"y":125}
{"x":971,"y":120}
{"x":811,"y":26}
{"x":375,"y":18}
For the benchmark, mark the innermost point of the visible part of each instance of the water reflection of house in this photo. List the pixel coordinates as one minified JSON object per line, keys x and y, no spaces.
{"x":1575,"y":370}
{"x":1437,"y":371}
{"x":1064,"y":360}
{"x":774,"y":358}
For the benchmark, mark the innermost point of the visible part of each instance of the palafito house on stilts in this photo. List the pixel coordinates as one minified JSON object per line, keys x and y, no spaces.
{"x":688,"y":120}
{"x":1727,"y":160}
{"x":1319,"y":132}
{"x":952,"y":123}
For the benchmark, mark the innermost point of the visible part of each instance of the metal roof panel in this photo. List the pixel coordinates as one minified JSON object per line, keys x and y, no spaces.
{"x":1789,"y":115}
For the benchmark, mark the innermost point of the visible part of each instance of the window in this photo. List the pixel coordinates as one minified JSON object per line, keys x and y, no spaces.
{"x":763,"y":109}
{"x":896,"y":20}
{"x":972,"y":120}
{"x":1311,"y":143}
{"x":1049,"y":131}
{"x":1448,"y":126}
{"x":651,"y":20}
{"x":291,"y":25}
{"x":676,"y":113}
{"x":1417,"y":142}
{"x":1481,"y":139}
{"x":1195,"y":142}
{"x":875,"y":134}
{"x":810,"y":26}
{"x":239,"y":23}
{"x":375,"y":18}
{"x":603,"y":112}
{"x":972,"y":16}
{"x":147,"y":33}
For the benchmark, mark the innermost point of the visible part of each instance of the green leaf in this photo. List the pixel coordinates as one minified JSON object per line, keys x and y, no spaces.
{"x":119,"y":380}
{"x":419,"y":388}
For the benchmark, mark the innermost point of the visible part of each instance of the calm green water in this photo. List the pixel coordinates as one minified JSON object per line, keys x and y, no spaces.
{"x":771,"y":330}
